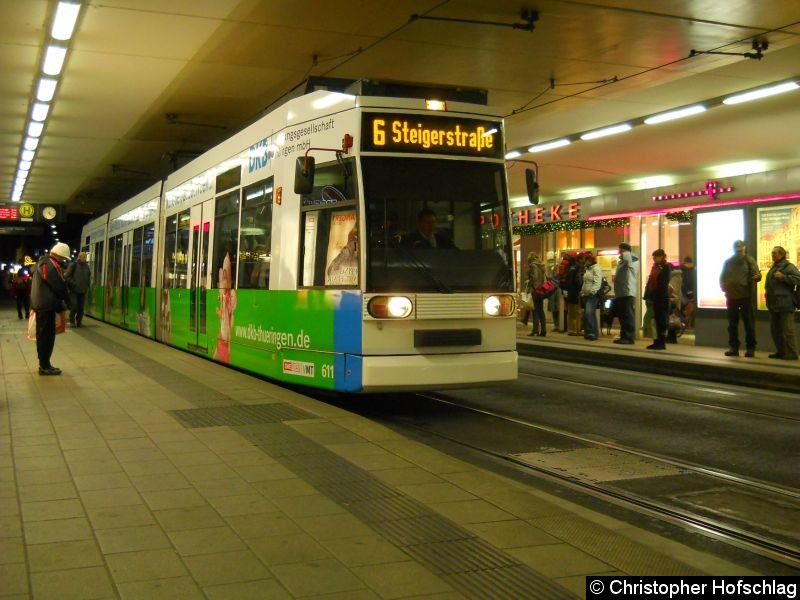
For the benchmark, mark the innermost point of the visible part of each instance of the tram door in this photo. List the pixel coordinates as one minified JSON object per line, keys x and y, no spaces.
{"x":201,"y":219}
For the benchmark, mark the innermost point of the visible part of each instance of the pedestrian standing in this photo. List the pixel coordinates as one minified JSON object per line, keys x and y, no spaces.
{"x":657,"y":293}
{"x":21,"y":288}
{"x":78,"y":278}
{"x":626,"y":280}
{"x":592,"y":279}
{"x":782,"y":277}
{"x":48,"y":297}
{"x":738,"y":279}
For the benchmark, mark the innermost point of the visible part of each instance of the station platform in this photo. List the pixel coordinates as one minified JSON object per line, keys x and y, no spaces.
{"x":683,"y":359}
{"x":146,"y":472}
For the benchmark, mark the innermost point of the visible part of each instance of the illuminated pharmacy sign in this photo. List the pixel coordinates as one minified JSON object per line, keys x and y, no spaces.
{"x":428,"y":134}
{"x":711,"y":192}
{"x":544,"y":214}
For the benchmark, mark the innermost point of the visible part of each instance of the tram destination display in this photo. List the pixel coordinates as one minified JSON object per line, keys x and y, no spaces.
{"x":431,"y":134}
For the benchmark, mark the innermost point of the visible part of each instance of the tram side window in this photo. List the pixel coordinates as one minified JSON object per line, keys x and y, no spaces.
{"x":97,"y":258}
{"x":170,"y":238}
{"x":136,"y":258}
{"x":255,"y":251}
{"x":147,"y":255}
{"x":226,"y":233}
{"x":330,"y":228}
{"x":181,"y":262}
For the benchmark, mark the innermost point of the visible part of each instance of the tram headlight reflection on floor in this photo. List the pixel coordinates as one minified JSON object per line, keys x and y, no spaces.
{"x":389,"y":307}
{"x":499,"y":306}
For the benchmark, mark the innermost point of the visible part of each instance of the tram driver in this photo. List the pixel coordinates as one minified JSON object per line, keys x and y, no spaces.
{"x":426,"y":235}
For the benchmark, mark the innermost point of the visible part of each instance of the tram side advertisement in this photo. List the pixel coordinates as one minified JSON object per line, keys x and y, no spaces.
{"x":307,"y":337}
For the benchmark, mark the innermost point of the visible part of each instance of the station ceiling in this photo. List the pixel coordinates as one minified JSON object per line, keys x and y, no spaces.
{"x":215,"y":65}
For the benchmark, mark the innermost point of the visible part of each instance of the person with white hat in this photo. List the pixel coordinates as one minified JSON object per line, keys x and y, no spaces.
{"x":49,"y":296}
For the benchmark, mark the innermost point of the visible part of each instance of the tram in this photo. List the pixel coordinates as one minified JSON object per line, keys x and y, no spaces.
{"x":345,"y":241}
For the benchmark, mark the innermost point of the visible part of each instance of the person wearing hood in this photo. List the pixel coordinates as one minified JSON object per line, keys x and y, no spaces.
{"x":49,"y":296}
{"x":782,"y":278}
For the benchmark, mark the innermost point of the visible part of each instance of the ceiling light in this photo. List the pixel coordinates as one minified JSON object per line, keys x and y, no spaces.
{"x":578,"y":193}
{"x":549,"y":145}
{"x":675,"y":114}
{"x":513,"y":154}
{"x":492,"y":131}
{"x":31,"y":143}
{"x":35,"y":129}
{"x":598,"y":133}
{"x":739,"y":168}
{"x":46,"y":89}
{"x":16,"y":196}
{"x":64,"y":22}
{"x":22,"y":174}
{"x":761,"y":93}
{"x":54,"y":60}
{"x":39,"y":112}
{"x":654,"y":181}
{"x":28,"y":155}
{"x":24,"y":165}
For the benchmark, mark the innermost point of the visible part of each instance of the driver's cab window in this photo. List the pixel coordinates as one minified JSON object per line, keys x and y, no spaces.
{"x":331,"y":256}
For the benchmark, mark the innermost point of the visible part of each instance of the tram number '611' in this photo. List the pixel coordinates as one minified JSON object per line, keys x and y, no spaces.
{"x":327,"y":371}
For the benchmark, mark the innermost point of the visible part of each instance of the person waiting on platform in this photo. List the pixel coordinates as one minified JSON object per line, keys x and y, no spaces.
{"x":592,"y":278}
{"x":688,"y":291}
{"x":536,"y":276}
{"x":426,"y":235}
{"x":626,"y":281}
{"x":21,"y":288}
{"x":78,"y":278}
{"x":782,"y":277}
{"x":49,"y":296}
{"x":657,"y":293}
{"x":738,"y":279}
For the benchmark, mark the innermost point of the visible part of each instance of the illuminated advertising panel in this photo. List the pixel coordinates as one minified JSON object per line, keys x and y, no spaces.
{"x":431,"y":134}
{"x":716,"y":232}
{"x":776,"y":226}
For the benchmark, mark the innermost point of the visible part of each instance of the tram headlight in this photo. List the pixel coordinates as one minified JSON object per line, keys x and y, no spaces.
{"x":501,"y":305}
{"x":389,"y":307}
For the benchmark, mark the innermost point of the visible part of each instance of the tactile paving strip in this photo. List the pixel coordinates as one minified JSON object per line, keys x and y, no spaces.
{"x":471,"y":565}
{"x":242,"y":414}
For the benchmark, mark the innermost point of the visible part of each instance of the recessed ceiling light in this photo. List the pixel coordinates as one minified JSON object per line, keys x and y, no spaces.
{"x":64,"y":21}
{"x":675,"y":114}
{"x":606,"y":131}
{"x":54,"y":60}
{"x":761,"y":93}
{"x":549,"y":145}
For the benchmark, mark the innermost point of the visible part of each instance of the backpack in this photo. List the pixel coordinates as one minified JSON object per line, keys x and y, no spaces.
{"x":605,"y":287}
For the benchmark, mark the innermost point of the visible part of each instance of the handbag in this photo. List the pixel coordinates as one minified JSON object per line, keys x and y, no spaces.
{"x":30,"y":332}
{"x":545,"y":289}
{"x":526,"y":300}
{"x":61,"y":324}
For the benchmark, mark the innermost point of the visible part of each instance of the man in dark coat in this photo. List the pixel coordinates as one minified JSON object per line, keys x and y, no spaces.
{"x":738,"y":279}
{"x":78,"y":278}
{"x":657,"y":292}
{"x":48,"y":297}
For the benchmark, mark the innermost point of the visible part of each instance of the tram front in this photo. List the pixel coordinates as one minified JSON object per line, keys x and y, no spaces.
{"x":438,"y":303}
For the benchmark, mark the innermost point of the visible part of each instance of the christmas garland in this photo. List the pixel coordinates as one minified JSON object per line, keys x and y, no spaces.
{"x":537,"y":228}
{"x":684,"y":216}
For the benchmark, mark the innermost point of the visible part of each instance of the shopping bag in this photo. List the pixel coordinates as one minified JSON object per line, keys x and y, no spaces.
{"x":61,"y":322}
{"x":31,"y":331}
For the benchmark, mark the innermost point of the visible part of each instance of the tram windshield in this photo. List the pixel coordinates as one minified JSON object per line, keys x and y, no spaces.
{"x":436,"y":225}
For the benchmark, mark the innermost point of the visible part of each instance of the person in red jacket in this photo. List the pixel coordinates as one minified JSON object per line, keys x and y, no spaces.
{"x":21,"y":289}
